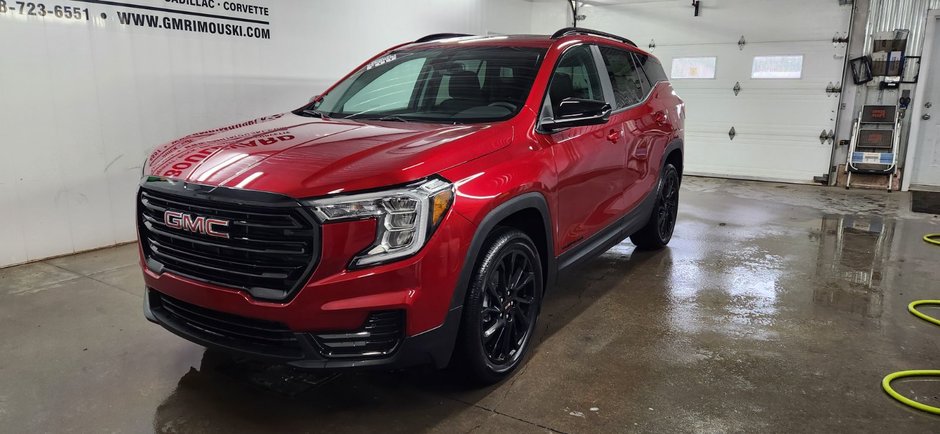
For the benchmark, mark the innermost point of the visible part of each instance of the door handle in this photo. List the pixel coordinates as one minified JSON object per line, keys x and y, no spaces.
{"x":613,"y":136}
{"x":660,"y":118}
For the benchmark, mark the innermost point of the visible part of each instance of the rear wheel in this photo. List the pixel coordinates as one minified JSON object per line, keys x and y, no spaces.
{"x":658,"y":231}
{"x":503,"y":302}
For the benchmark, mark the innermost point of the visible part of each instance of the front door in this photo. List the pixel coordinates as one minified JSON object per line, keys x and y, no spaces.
{"x":590,"y":159}
{"x":925,"y":170}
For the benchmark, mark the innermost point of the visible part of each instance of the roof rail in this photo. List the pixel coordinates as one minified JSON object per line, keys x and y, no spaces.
{"x":582,"y":31}
{"x":438,"y":36}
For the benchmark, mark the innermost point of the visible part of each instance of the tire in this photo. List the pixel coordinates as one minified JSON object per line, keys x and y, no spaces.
{"x":496,"y":330}
{"x":658,"y":231}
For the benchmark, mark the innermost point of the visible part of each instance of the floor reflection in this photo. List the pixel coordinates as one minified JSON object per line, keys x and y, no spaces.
{"x":853,"y":255}
{"x":228,"y":393}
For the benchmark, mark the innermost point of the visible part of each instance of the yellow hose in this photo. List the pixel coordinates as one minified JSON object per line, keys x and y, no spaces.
{"x":886,"y":384}
{"x":912,"y":308}
{"x":932,"y":239}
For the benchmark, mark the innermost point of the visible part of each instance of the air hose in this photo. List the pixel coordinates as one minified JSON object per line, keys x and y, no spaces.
{"x":912,"y":308}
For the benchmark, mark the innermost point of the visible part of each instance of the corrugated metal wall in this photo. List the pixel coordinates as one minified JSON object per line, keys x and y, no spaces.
{"x":884,"y":16}
{"x":889,"y":15}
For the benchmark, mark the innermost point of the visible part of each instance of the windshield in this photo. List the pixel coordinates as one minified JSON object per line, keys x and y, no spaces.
{"x":453,"y":85}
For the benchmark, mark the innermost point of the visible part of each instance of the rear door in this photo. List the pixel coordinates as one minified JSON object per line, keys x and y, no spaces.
{"x":589,"y":159}
{"x":641,"y":119}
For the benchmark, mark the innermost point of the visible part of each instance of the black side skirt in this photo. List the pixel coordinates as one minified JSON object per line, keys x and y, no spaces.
{"x":612,"y":234}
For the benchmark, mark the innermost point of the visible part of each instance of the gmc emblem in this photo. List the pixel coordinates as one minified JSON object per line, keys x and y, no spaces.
{"x":199,"y":225}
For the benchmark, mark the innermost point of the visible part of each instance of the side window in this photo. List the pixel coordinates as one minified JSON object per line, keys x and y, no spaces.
{"x":575,"y":77}
{"x":629,"y":86}
{"x":652,"y":68}
{"x":389,"y":91}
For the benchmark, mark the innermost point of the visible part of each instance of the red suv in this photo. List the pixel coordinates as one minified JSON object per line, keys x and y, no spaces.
{"x":419,"y":209}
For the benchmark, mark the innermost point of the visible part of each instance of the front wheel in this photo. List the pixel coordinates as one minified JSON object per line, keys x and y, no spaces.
{"x":658,"y":231}
{"x":503,"y":302}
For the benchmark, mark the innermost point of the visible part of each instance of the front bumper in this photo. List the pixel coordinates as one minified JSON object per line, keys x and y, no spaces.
{"x":273,"y":342}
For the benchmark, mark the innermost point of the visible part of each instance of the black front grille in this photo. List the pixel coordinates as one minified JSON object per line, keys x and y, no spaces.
{"x":270,"y":249}
{"x":379,"y":336}
{"x":246,"y":334}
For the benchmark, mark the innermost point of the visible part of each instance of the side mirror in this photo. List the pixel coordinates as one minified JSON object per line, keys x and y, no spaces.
{"x":576,"y":112}
{"x":315,"y":98}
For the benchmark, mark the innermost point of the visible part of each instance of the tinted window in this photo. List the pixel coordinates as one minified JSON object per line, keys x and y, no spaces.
{"x":652,"y":68}
{"x":575,"y":77}
{"x":629,"y":87}
{"x":451,"y":84}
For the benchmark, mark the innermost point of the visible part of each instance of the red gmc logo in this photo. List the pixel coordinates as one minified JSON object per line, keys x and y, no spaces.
{"x":199,"y":225}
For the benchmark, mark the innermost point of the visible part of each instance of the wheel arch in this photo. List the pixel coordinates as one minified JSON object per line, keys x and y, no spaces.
{"x":674,"y":154}
{"x":518,"y":212}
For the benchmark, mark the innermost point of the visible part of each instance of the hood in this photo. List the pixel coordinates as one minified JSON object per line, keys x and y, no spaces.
{"x":306,"y":157}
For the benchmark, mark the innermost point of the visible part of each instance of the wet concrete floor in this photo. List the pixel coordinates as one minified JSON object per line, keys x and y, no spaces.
{"x":775,"y":308}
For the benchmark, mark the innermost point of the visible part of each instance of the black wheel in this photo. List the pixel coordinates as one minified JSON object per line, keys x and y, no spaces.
{"x":502,"y":304}
{"x":658,"y":231}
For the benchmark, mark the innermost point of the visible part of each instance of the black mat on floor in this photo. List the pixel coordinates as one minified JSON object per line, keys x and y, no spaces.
{"x":925,"y":201}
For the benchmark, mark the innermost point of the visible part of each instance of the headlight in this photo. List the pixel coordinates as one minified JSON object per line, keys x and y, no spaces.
{"x":406,"y":217}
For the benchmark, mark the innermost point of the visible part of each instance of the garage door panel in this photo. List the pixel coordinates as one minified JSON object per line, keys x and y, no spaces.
{"x":795,"y":135}
{"x":714,"y":154}
{"x":734,"y":63}
{"x":771,"y":109}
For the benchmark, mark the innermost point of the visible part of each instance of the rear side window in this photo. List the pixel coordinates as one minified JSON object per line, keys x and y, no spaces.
{"x":652,"y":68}
{"x":629,"y":85}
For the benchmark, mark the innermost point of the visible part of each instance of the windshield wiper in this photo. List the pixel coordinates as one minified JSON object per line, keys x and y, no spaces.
{"x":377,"y":118}
{"x":393,"y":118}
{"x":314,"y":112}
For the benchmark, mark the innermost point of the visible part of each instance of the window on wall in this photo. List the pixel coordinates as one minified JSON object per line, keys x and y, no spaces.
{"x":693,"y":67}
{"x":777,"y":67}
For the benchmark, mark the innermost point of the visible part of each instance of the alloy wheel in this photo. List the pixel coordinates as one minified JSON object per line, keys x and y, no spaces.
{"x":668,"y":207}
{"x":508,"y":307}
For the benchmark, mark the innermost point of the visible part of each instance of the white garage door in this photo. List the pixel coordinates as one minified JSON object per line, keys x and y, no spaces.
{"x":777,"y":121}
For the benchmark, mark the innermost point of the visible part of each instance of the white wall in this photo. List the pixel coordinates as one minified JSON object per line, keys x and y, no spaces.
{"x":671,"y":22}
{"x":550,"y":15}
{"x":84,"y":101}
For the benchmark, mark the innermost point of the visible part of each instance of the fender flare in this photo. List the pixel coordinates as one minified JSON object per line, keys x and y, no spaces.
{"x":534,"y":200}
{"x":675,"y":144}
